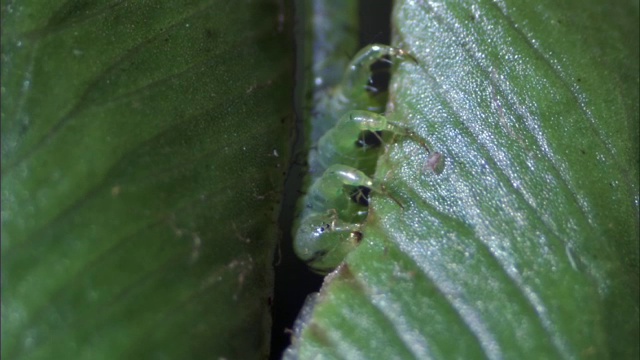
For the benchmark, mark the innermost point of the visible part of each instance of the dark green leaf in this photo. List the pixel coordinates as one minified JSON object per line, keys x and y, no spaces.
{"x":143,"y":148}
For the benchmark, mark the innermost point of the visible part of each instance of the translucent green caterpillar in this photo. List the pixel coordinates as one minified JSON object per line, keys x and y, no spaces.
{"x":342,"y":163}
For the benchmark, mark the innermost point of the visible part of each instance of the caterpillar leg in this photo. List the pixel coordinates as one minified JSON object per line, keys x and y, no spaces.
{"x":334,"y":191}
{"x":355,"y":140}
{"x":331,"y":221}
{"x":323,"y":240}
{"x":353,"y":91}
{"x":358,"y":73}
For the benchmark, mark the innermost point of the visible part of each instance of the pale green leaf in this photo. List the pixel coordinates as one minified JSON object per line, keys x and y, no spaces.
{"x":526,"y":246}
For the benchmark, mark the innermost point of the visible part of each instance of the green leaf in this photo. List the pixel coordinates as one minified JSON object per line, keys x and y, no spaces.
{"x":143,"y":151}
{"x":526,"y":246}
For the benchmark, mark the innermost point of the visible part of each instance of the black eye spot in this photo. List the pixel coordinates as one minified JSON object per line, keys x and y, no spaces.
{"x":324,"y":227}
{"x":357,"y":235}
{"x":369,"y":139}
{"x":380,"y":76}
{"x":360,"y":195}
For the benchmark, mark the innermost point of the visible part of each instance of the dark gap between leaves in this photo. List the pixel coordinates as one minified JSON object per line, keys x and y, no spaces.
{"x":293,"y":280}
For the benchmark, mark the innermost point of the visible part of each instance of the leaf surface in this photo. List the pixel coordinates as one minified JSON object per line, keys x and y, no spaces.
{"x":143,"y":151}
{"x":526,"y":245}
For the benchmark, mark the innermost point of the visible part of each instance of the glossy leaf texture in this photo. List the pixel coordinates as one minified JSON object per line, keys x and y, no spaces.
{"x":143,"y":151}
{"x":526,"y":245}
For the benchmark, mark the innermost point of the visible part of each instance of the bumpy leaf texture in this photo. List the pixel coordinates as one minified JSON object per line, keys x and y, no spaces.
{"x":526,"y":245}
